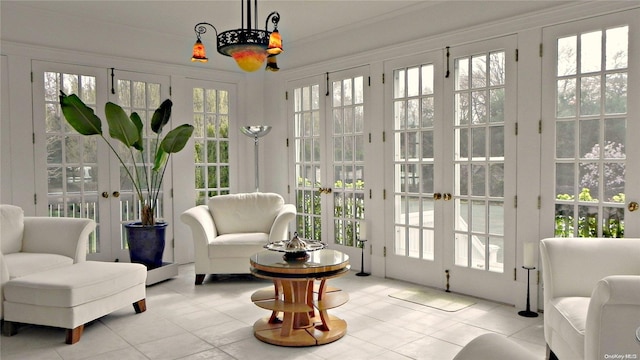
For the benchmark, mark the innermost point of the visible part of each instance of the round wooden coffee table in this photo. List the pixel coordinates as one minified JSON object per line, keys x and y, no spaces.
{"x":298,"y":304}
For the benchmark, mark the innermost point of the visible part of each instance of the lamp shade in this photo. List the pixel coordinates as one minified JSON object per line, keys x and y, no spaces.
{"x":248,"y":57}
{"x":199,"y":52}
{"x":275,"y":43}
{"x":272,"y":64}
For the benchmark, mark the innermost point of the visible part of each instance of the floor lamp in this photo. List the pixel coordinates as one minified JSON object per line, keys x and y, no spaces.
{"x":256,"y":131}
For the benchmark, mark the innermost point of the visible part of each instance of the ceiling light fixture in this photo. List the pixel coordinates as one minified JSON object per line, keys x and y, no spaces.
{"x":249,"y":46}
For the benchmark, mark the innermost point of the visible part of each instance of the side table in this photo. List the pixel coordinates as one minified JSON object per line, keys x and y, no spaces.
{"x":301,"y":296}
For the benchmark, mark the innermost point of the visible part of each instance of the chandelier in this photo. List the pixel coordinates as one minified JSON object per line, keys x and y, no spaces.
{"x":248,"y":46}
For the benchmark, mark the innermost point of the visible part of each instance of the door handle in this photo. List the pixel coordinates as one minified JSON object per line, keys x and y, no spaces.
{"x":105,"y":194}
{"x":437,"y":196}
{"x":446,"y":196}
{"x":116,"y":194}
{"x":633,"y":206}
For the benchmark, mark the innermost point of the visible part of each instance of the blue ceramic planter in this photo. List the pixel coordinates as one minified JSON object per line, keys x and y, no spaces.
{"x":146,"y":243}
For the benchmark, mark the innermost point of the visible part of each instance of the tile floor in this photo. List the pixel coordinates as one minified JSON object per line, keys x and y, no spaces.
{"x":214,"y":321}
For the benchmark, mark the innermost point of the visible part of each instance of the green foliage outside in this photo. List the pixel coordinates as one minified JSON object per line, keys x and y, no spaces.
{"x":613,"y":225}
{"x":346,"y":210}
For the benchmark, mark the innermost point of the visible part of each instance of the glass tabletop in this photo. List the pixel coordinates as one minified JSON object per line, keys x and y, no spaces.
{"x":320,"y":261}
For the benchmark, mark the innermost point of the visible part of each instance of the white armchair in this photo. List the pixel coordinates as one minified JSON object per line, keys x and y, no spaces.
{"x":591,"y":297}
{"x":32,"y":244}
{"x":231,"y":228}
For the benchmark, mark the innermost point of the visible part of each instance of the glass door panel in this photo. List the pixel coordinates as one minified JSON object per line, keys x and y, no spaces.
{"x":588,"y":81}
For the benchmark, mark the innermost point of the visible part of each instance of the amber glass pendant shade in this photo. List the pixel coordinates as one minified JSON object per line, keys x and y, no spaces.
{"x":199,"y":52}
{"x":272,"y":64}
{"x":275,"y":43}
{"x":249,"y":58}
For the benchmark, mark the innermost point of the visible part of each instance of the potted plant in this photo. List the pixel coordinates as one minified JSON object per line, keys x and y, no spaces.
{"x":145,"y":238}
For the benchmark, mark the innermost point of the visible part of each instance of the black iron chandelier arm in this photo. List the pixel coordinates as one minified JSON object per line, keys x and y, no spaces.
{"x":275,"y":19}
{"x":200,"y":29}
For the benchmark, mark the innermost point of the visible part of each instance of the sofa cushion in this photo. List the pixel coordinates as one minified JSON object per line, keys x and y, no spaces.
{"x":242,"y":213}
{"x":22,"y":264}
{"x":568,"y":316}
{"x":11,"y":228}
{"x":75,"y":284}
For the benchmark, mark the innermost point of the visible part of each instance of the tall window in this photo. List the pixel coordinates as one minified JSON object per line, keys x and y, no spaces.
{"x":591,"y":123}
{"x":414,"y":160}
{"x":479,"y":87}
{"x":71,"y":158}
{"x":211,"y":138}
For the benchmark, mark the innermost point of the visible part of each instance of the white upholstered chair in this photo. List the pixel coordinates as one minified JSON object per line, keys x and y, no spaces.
{"x":591,"y":297}
{"x":31,"y":244}
{"x":231,"y":228}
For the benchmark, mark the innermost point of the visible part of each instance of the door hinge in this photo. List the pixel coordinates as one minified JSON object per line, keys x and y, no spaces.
{"x":287,"y":142}
{"x":517,"y":55}
{"x":516,"y":129}
{"x":369,"y":138}
{"x":370,"y":193}
{"x":540,"y":126}
{"x":384,"y":136}
{"x":288,"y":189}
{"x":383,"y":78}
{"x":384,"y":194}
{"x":173,"y":243}
{"x":33,"y":138}
{"x":540,"y":50}
{"x":515,"y":274}
{"x":35,"y":199}
{"x":539,"y":201}
{"x":538,"y":277}
{"x":369,"y":81}
{"x":171,"y":193}
{"x":515,"y":201}
{"x":286,"y":95}
{"x":32,"y":76}
{"x":384,"y":251}
{"x":170,"y":91}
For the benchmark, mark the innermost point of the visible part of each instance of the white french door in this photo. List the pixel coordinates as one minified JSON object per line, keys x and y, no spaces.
{"x":79,"y":175}
{"x":72,"y":170}
{"x":329,"y":117}
{"x":454,"y":168}
{"x":480,"y":118}
{"x":591,"y":112}
{"x":417,"y":207}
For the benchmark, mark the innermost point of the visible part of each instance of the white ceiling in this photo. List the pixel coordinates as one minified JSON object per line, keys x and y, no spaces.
{"x":340,"y":27}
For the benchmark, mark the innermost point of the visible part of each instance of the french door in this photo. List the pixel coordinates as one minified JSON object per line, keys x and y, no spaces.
{"x":591,"y":87}
{"x":418,"y":206}
{"x":79,"y":175}
{"x":329,"y":117}
{"x":454,"y":168}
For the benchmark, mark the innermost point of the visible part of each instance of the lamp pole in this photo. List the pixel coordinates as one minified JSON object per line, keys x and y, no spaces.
{"x":256,"y":131}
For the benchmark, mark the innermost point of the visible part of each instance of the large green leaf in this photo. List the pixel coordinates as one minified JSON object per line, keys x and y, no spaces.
{"x":139,"y":145}
{"x":160,"y":160}
{"x":176,"y":139}
{"x":161,"y":116}
{"x":120,"y":126}
{"x":80,"y":116}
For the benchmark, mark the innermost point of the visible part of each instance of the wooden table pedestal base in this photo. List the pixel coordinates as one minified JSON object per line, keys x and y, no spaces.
{"x":313,"y":335}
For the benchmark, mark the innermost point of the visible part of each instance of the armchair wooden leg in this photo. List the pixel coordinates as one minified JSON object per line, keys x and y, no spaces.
{"x":140,"y":306}
{"x":199,"y":279}
{"x":73,"y":335}
{"x":9,"y":328}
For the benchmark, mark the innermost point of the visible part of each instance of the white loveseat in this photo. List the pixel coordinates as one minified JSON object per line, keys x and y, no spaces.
{"x":231,"y":228}
{"x":591,"y":297}
{"x":38,"y":244}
